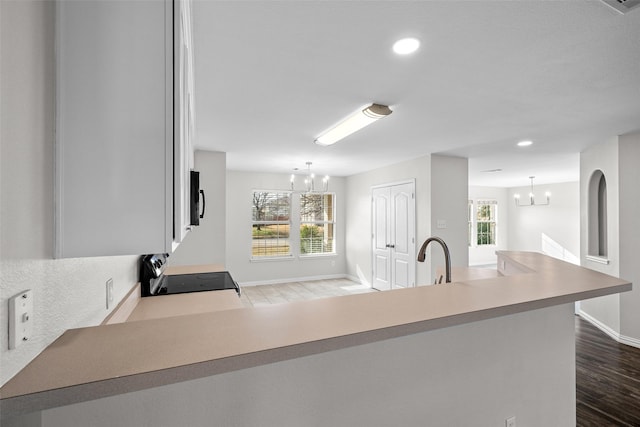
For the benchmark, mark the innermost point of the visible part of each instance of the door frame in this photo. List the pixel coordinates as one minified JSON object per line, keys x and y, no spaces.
{"x":412,"y":182}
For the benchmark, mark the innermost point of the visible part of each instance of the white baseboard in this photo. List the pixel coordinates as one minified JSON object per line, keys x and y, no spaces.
{"x":622,"y":339}
{"x":633,"y":342}
{"x":297,"y":279}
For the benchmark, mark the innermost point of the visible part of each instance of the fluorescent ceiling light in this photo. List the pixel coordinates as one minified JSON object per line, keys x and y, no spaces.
{"x":356,"y":121}
{"x":406,"y":46}
{"x":524,"y":143}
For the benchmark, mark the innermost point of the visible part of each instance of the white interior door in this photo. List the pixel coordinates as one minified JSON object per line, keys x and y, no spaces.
{"x":381,"y":236}
{"x":402,"y":247}
{"x":393,"y":221}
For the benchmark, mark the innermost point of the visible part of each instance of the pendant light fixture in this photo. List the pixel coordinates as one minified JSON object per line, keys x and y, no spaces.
{"x":309,"y":182}
{"x":532,"y":198}
{"x":353,"y":123}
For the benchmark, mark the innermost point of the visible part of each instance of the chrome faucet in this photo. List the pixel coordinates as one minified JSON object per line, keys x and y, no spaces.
{"x":447,"y":256}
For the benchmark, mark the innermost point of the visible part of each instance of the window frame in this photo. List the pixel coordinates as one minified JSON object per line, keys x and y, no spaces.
{"x":325,"y":223}
{"x":470,"y":223}
{"x":271,"y":222}
{"x":474,"y":206}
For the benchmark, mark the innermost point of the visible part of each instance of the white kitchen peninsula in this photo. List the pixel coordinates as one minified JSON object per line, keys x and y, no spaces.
{"x":465,"y":353}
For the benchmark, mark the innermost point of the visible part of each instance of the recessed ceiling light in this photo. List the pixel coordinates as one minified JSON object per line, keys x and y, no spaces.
{"x":524,"y":143}
{"x":406,"y":46}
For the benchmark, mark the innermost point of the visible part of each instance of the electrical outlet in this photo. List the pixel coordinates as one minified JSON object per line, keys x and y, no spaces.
{"x":109,"y":293}
{"x":510,"y":422}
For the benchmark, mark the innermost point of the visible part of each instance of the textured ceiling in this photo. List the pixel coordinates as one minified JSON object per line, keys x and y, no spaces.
{"x":271,"y":76}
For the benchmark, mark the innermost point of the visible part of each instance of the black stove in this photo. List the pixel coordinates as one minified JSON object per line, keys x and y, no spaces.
{"x":183,"y":283}
{"x":154,"y":282}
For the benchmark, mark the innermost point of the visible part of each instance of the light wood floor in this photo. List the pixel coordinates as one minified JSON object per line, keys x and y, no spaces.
{"x":253,"y":296}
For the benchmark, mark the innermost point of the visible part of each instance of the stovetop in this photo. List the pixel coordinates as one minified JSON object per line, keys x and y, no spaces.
{"x":154,"y":282}
{"x":197,"y":282}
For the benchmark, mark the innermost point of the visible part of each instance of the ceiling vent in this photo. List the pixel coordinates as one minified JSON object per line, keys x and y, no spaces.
{"x":623,"y":6}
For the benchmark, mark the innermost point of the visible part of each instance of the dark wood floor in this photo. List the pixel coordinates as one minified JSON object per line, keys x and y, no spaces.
{"x":607,"y":379}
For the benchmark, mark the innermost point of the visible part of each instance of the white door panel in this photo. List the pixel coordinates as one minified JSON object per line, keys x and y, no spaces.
{"x":403,"y":233}
{"x":382,"y":221}
{"x":382,"y":273}
{"x":400,"y":223}
{"x":381,"y":231}
{"x":401,"y":274}
{"x":393,"y":226}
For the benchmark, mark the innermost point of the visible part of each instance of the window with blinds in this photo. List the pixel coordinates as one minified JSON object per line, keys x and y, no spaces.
{"x":271,"y":224}
{"x":486,"y":222}
{"x":317,"y":223}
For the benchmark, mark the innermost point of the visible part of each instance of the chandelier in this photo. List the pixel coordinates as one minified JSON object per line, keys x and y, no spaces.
{"x":532,"y":197}
{"x":309,"y":182}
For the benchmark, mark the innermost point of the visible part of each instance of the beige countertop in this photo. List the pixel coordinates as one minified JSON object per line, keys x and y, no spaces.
{"x":185,"y":304}
{"x":134,"y":308}
{"x":464,"y":274}
{"x":90,"y":363}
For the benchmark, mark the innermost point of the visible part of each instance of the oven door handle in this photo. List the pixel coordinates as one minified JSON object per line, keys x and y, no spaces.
{"x":204,"y":204}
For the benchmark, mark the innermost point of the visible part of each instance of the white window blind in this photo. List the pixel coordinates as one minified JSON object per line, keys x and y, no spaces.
{"x":317,"y":223}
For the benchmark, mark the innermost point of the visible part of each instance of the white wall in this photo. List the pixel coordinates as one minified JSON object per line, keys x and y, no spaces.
{"x":520,"y":365}
{"x":553,"y":229}
{"x":206,"y":243}
{"x":486,"y":254}
{"x":602,"y":157}
{"x":240,"y":186}
{"x":67,"y":293}
{"x":358,"y":220}
{"x":618,"y":158}
{"x":449,"y":198}
{"x":629,"y":162}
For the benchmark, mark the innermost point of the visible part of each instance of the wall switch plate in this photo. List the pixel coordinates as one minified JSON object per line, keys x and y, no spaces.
{"x":20,"y":318}
{"x":510,"y":422}
{"x":109,"y":293}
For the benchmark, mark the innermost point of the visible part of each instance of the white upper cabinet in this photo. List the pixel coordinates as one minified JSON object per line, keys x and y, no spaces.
{"x":115,"y":135}
{"x":184,"y":116}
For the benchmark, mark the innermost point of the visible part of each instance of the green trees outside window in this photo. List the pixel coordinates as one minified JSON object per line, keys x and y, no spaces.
{"x":317,"y":223}
{"x":271,"y":224}
{"x":486,"y":222}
